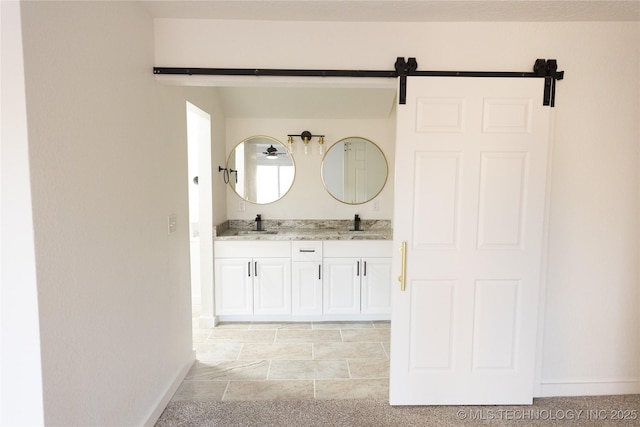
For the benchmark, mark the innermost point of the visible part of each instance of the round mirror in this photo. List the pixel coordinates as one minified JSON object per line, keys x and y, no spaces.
{"x":354,"y":170}
{"x":260,"y":169}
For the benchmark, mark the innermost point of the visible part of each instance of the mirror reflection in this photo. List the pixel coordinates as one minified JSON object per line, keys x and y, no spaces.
{"x":261,"y":169}
{"x":354,"y":170}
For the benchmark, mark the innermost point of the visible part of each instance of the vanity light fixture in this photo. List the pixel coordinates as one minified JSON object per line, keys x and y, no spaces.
{"x":306,"y":137}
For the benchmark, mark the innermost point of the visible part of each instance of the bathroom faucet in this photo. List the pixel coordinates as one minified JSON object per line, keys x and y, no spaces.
{"x":356,"y":223}
{"x":258,"y":222}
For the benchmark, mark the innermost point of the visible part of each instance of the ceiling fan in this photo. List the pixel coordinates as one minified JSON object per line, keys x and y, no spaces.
{"x":272,"y":153}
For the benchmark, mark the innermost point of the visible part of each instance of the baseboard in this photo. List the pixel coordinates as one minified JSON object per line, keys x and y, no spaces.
{"x":588,"y":388}
{"x":304,"y":318}
{"x":166,"y":397}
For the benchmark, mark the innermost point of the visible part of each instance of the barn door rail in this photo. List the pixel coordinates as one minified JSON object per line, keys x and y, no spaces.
{"x":258,"y":72}
{"x":542,"y":68}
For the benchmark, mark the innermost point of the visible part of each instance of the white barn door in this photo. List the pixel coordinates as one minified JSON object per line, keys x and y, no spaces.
{"x":471,"y":167}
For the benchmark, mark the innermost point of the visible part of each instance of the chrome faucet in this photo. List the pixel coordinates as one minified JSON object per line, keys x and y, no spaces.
{"x":356,"y":223}
{"x":258,"y":222}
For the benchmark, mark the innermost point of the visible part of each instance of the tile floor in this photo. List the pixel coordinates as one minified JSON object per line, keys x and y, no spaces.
{"x":271,"y":361}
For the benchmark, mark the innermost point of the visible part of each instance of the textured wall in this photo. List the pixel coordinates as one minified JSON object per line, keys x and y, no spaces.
{"x":113,"y":286}
{"x":173,"y":105}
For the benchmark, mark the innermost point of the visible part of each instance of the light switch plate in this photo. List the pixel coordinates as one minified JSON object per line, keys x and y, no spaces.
{"x":241,"y":206}
{"x":172,"y":221}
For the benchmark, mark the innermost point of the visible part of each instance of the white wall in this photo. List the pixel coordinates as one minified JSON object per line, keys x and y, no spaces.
{"x":308,"y":198}
{"x":20,"y":374}
{"x":592,"y":328}
{"x":173,"y":105}
{"x":591,"y":340}
{"x":113,"y":285}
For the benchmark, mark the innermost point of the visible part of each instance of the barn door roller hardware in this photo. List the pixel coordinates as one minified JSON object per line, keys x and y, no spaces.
{"x":405,"y":68}
{"x":543,"y":68}
{"x":549,"y":69}
{"x":546,"y":68}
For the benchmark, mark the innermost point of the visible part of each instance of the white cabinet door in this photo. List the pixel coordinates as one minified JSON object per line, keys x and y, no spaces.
{"x":233,"y":286}
{"x":272,"y":286}
{"x":306,"y":289}
{"x":341,"y":293}
{"x":376,"y":286}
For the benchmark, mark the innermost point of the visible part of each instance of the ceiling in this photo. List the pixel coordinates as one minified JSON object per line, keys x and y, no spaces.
{"x":398,"y":10}
{"x":360,"y":103}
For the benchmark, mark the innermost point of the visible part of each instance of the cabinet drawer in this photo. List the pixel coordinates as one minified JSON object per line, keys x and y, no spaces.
{"x":358,"y":248}
{"x":252,"y":249}
{"x":306,"y":250}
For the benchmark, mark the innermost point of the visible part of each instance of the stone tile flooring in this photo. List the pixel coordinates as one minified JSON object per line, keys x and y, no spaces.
{"x":271,"y":361}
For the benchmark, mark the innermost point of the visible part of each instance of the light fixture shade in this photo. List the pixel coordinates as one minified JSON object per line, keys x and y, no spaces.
{"x":306,"y":137}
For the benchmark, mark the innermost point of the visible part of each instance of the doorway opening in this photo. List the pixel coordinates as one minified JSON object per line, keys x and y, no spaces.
{"x":200,"y":199}
{"x":305,"y":360}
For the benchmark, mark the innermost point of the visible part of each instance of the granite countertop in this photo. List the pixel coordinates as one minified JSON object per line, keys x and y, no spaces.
{"x":304,"y":234}
{"x":304,"y":230}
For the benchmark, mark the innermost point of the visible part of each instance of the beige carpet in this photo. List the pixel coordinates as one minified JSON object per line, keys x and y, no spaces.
{"x":619,"y":411}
